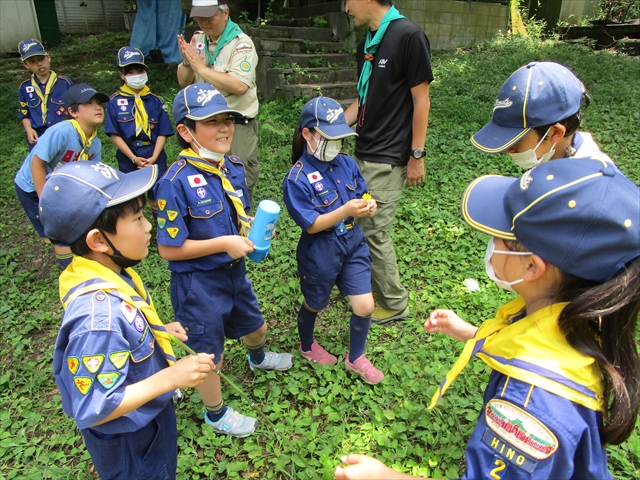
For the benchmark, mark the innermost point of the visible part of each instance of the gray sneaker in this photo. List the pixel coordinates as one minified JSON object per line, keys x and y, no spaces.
{"x":273,"y":361}
{"x":233,"y":423}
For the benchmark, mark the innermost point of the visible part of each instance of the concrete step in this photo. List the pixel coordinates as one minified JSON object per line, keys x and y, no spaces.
{"x":306,"y":60}
{"x":336,"y":91}
{"x":293,"y":76}
{"x":281,"y":32}
{"x":270,"y":46}
{"x":315,"y":9}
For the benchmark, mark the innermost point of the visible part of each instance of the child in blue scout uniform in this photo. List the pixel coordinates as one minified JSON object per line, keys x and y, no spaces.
{"x":74,"y":139}
{"x":113,"y":360}
{"x":324,"y":192}
{"x":565,"y":378}
{"x":536,"y":117}
{"x":136,"y":119}
{"x":202,"y":232}
{"x":41,"y":97}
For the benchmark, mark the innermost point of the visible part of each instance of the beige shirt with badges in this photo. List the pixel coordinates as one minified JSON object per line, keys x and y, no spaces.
{"x":239,"y":59}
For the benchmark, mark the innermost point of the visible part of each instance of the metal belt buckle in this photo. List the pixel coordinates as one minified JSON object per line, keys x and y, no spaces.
{"x":137,"y":143}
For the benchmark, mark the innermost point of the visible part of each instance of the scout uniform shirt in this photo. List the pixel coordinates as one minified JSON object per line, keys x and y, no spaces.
{"x":239,"y":59}
{"x":31,"y":99}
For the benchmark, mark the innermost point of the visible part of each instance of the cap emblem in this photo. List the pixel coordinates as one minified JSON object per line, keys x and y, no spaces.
{"x":129,"y":54}
{"x":506,"y":103}
{"x":27,"y":46}
{"x":333,"y":114}
{"x":526,"y":180}
{"x":106,"y":170}
{"x":205,"y":96}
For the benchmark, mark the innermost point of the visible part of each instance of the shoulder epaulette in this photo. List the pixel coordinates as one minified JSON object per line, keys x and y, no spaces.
{"x":236,"y":160}
{"x":26,"y":81}
{"x":174,"y":169}
{"x":114,"y":95}
{"x":295,"y":171}
{"x":65,"y":78}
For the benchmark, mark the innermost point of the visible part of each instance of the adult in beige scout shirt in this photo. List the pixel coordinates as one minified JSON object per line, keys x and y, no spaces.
{"x":222,"y":55}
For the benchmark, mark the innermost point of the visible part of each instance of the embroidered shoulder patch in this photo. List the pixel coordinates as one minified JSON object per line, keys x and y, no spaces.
{"x":161,"y":204}
{"x":73,"y":363}
{"x":173,"y":232}
{"x":172,"y":214}
{"x":108,"y":380}
{"x":245,"y":66}
{"x":119,"y":359}
{"x":244,"y":47}
{"x":92,"y":362}
{"x":83,"y":384}
{"x":161,"y":222}
{"x":520,"y":429}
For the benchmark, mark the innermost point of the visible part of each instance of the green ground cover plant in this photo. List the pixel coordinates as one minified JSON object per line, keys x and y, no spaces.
{"x":320,"y":413}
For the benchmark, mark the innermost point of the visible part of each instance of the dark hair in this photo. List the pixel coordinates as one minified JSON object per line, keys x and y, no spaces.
{"x":108,"y":220}
{"x":298,"y":145}
{"x":191,"y":125}
{"x":127,"y":70}
{"x":72,"y":108}
{"x":571,"y":123}
{"x":599,"y":321}
{"x":385,"y":2}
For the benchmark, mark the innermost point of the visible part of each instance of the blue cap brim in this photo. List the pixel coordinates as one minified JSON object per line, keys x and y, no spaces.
{"x":336,"y":132}
{"x":134,"y":184}
{"x":493,"y":138}
{"x":482,"y":206}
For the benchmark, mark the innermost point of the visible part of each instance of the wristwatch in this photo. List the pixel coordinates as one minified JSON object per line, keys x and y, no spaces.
{"x":417,"y":153}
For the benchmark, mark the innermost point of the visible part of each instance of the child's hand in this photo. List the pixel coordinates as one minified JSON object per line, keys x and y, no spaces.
{"x":177,"y":331}
{"x":238,"y":247}
{"x":363,"y":467}
{"x":446,"y":321}
{"x":356,"y":208}
{"x":373,"y":207}
{"x":192,"y":370}
{"x":32,"y":136}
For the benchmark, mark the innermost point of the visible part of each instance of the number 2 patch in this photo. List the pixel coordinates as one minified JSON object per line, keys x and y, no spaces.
{"x":498,"y":468}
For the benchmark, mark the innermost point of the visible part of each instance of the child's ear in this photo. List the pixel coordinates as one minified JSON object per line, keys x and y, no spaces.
{"x":184,"y":133}
{"x":95,"y":241}
{"x":306,"y":134}
{"x":557,"y":133}
{"x":24,"y":64}
{"x":535,"y":269}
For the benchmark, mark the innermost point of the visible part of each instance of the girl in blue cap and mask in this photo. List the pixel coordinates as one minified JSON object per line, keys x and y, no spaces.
{"x":324,"y":193}
{"x":565,"y":379}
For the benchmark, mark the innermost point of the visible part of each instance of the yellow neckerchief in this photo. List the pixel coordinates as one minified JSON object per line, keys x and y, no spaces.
{"x":201,"y":164}
{"x":86,"y":143}
{"x":535,"y":351}
{"x":44,"y":98}
{"x":84,"y":275}
{"x":139,"y":112}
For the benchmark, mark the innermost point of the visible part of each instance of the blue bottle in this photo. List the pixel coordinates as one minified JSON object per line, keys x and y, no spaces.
{"x":262,"y":229}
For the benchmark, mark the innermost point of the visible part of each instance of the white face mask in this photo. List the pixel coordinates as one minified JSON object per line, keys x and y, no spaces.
{"x":326,"y":150}
{"x":528,"y":159}
{"x":491,"y":249}
{"x":204,"y":152}
{"x":136,"y":81}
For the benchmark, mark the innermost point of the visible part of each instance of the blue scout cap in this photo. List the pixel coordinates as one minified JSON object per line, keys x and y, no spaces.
{"x":129,"y":56}
{"x":326,"y":116}
{"x":82,"y":93}
{"x":581,"y":215}
{"x":538,"y":94}
{"x":30,"y":47}
{"x":199,"y":102}
{"x":77,"y":193}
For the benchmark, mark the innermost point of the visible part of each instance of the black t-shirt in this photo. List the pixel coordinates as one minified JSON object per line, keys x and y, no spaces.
{"x":402,"y":61}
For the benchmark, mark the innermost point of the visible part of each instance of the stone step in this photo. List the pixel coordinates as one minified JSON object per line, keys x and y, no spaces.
{"x":315,"y":9}
{"x":306,"y":60}
{"x":282,"y":32}
{"x":293,"y":76}
{"x":270,"y":46}
{"x":336,"y":91}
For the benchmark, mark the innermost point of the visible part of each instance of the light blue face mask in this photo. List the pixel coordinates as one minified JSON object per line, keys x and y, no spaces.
{"x":491,"y":249}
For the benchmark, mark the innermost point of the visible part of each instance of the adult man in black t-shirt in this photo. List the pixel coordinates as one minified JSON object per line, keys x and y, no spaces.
{"x":391,"y":115}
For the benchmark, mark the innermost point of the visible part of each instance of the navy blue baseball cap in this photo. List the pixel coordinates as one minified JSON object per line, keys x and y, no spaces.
{"x":581,"y":215}
{"x":538,"y":94}
{"x":326,"y":116}
{"x":129,"y":56}
{"x":76,"y":193}
{"x":199,"y":102}
{"x":30,"y":47}
{"x":82,"y":93}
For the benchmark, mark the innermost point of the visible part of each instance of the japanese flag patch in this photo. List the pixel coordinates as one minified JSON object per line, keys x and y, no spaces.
{"x":123,"y":101}
{"x":29,"y":89}
{"x":199,"y":47}
{"x":196,"y":180}
{"x":314,"y":177}
{"x":128,"y":311}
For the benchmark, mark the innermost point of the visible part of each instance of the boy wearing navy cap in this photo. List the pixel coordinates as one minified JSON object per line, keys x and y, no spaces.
{"x":113,"y":360}
{"x":68,"y":141}
{"x":202,"y":232}
{"x":41,"y":97}
{"x":137,"y":121}
{"x":565,"y":372}
{"x":536,"y":117}
{"x":325,"y":192}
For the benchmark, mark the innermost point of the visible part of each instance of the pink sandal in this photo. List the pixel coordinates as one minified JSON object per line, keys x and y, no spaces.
{"x":318,"y":354}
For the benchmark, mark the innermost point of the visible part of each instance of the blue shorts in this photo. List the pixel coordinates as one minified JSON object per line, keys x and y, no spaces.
{"x":326,"y":259}
{"x":148,"y":453}
{"x":213,"y":305}
{"x":29,"y":202}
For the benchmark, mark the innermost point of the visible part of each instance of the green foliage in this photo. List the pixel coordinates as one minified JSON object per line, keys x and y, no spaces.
{"x":321,"y":413}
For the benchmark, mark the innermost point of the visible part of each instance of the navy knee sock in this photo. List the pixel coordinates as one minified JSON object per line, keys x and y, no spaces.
{"x":216,"y":412}
{"x":256,"y":353}
{"x":358,"y":331}
{"x":306,"y":324}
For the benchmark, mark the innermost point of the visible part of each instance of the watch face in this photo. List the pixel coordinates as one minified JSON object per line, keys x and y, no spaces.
{"x":417,"y":153}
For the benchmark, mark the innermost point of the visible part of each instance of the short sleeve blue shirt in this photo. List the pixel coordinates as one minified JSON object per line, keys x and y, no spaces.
{"x":30,"y":103}
{"x":526,"y":432}
{"x":60,"y":143}
{"x":104,"y":345}
{"x":193,"y":205}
